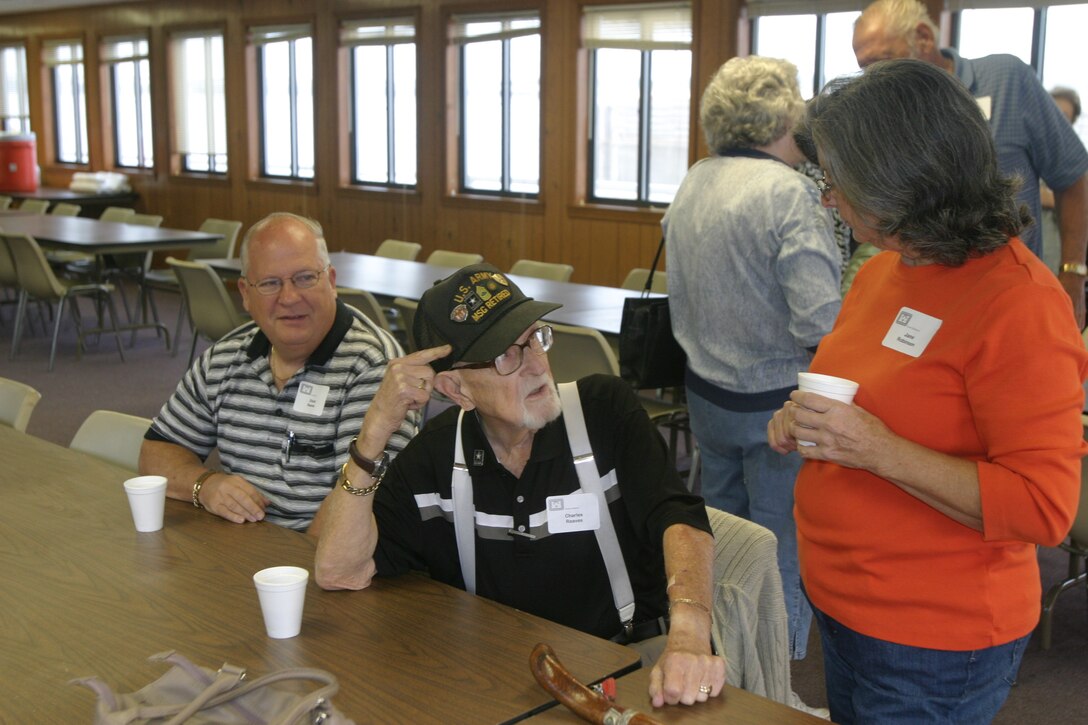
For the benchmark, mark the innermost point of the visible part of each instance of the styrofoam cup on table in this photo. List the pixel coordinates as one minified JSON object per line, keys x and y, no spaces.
{"x":147,"y":499}
{"x":282,"y":593}
{"x":828,"y":386}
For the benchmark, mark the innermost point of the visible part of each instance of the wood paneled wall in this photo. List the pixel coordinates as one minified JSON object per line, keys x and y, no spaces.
{"x":602,"y":243}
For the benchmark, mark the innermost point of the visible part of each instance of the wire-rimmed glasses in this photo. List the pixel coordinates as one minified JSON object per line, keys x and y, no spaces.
{"x":540,"y":341}
{"x":304,"y":279}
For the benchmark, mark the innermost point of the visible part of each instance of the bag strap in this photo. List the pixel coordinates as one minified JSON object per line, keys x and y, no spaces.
{"x":653,"y":268}
{"x":225,"y":680}
{"x":237,"y":689}
{"x":586,"y":467}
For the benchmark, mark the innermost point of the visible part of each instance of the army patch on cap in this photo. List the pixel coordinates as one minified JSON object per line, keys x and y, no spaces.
{"x":481,"y":293}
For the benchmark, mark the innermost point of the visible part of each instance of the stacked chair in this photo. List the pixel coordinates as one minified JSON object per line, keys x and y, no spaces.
{"x":449,"y":258}
{"x":397,"y":249}
{"x":208,"y":304}
{"x":113,"y":437}
{"x":17,"y":401}
{"x":65,"y":209}
{"x":35,"y":206}
{"x":543,"y":270}
{"x":636,"y":280}
{"x":37,"y":281}
{"x":166,"y":280}
{"x":581,"y":351}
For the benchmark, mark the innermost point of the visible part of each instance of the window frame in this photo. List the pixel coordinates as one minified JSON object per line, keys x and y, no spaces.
{"x":953,"y":10}
{"x":349,"y":175}
{"x":21,"y":92}
{"x":109,"y":67}
{"x":645,"y":107}
{"x":180,"y":152}
{"x":456,"y":118}
{"x":292,"y":33}
{"x":49,"y":68}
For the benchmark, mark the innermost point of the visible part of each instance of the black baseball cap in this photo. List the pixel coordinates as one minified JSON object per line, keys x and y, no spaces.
{"x":479,"y":311}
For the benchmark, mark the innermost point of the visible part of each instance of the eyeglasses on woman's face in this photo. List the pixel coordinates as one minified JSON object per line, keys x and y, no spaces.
{"x":824,"y":185}
{"x":305,"y":279}
{"x":540,"y":341}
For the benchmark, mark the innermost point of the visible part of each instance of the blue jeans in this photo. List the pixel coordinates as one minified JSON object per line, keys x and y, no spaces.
{"x":743,"y":476}
{"x":873,"y":681}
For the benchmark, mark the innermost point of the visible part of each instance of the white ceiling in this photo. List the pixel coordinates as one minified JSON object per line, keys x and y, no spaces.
{"x":8,"y":7}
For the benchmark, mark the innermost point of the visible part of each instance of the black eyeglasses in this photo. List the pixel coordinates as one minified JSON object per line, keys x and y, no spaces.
{"x":540,"y":341}
{"x":823,"y":184}
{"x":305,"y":279}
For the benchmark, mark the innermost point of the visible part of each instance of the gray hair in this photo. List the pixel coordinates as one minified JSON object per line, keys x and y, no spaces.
{"x":750,"y":102}
{"x":1067,"y":94}
{"x":278,"y":217}
{"x":907,"y":147}
{"x":900,"y":19}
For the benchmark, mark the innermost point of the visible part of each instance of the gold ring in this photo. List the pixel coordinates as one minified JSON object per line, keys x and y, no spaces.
{"x":423,"y":383}
{"x":705,"y":689}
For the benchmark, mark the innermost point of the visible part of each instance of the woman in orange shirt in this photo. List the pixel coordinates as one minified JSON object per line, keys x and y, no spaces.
{"x":919,"y":506}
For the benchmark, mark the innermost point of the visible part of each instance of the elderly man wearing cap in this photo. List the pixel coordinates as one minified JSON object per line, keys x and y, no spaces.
{"x":638,"y":530}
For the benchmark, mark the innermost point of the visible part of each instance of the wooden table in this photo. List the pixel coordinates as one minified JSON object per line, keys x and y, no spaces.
{"x":84,"y":594}
{"x":91,"y":204}
{"x":586,"y":305}
{"x":733,"y":706}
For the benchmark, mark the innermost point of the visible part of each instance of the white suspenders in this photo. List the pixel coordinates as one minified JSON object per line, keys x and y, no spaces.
{"x":464,"y":512}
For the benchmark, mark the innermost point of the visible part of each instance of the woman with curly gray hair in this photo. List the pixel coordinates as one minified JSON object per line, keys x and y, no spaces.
{"x":919,"y":506}
{"x":753,"y":273}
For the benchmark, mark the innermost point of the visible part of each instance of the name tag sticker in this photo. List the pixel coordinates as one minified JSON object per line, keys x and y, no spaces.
{"x":573,"y":512}
{"x":985,"y":104}
{"x":311,"y":398}
{"x":911,"y":332}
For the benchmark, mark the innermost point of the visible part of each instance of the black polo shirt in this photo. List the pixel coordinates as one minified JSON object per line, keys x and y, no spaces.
{"x":561,"y":577}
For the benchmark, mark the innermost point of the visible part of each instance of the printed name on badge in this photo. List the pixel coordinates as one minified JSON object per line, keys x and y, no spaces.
{"x":911,"y":332}
{"x":311,"y":398}
{"x":573,"y":512}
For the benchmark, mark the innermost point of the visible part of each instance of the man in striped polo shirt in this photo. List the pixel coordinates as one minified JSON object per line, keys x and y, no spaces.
{"x":280,"y":397}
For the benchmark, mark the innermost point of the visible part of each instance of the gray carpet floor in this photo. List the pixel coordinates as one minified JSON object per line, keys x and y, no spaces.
{"x":1052,"y":687}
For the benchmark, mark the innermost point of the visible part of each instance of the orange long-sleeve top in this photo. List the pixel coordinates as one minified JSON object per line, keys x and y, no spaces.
{"x":1000,"y":383}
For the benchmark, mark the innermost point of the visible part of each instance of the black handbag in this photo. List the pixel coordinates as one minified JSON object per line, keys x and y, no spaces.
{"x":650,"y":357}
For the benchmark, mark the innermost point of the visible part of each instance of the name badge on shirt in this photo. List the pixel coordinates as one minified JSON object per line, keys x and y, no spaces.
{"x":311,"y":398}
{"x":985,"y":104}
{"x":911,"y":332}
{"x":573,"y":512}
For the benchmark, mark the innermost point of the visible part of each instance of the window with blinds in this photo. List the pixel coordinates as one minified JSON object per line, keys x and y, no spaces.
{"x":14,"y":99}
{"x":640,"y":88}
{"x":126,"y":58}
{"x":499,"y":102}
{"x":64,"y":61}
{"x":819,"y":44}
{"x":818,"y":37}
{"x":198,"y":85}
{"x":382,"y":88}
{"x":285,"y":83}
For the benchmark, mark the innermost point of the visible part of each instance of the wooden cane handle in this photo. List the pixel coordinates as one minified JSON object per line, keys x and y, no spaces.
{"x":576,"y":697}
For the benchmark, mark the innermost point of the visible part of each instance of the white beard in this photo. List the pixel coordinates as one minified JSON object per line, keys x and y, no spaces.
{"x":547,"y":409}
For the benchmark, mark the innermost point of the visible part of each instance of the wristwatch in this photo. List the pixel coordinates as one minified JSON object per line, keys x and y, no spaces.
{"x":1076,"y":268}
{"x":376,"y":469}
